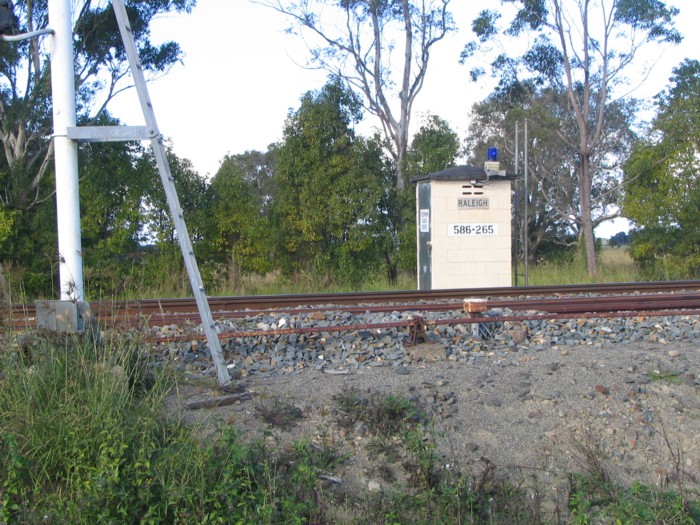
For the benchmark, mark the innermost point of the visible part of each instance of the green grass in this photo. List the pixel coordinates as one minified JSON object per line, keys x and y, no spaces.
{"x":305,"y":283}
{"x":83,"y":439}
{"x":593,"y":502}
{"x":669,"y":377}
{"x":615,"y":265}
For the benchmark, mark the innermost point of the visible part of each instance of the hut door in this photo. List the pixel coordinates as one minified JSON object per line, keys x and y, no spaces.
{"x":425,"y":273}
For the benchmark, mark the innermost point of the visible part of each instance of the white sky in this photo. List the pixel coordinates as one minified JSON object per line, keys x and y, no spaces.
{"x":242,"y":74}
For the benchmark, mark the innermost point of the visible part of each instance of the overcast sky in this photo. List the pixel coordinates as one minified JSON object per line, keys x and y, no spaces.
{"x":242,"y":74}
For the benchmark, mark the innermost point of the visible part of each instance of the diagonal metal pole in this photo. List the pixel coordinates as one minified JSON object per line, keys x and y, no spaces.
{"x":171,"y":194}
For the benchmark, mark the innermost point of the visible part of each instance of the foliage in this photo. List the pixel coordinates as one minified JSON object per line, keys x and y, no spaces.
{"x":591,"y":501}
{"x":359,"y":52}
{"x":123,"y":210}
{"x":100,"y":60}
{"x":434,"y":147}
{"x":192,"y":194}
{"x":553,"y":192}
{"x":147,"y":240}
{"x":328,"y":190}
{"x":114,"y":190}
{"x":83,"y":436}
{"x":580,"y":50}
{"x":112,"y":197}
{"x":27,"y":201}
{"x":239,"y":227}
{"x":556,"y":250}
{"x":257,"y":169}
{"x":79,"y":437}
{"x":619,"y":239}
{"x":29,"y":252}
{"x":663,"y":193}
{"x":6,"y":224}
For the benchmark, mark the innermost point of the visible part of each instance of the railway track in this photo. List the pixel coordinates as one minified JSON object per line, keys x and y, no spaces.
{"x":597,"y":300}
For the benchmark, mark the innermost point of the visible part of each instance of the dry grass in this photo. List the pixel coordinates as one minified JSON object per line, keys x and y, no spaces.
{"x":614,"y":266}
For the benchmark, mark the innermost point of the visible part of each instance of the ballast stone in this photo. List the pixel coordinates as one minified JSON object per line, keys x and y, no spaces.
{"x":290,"y":353}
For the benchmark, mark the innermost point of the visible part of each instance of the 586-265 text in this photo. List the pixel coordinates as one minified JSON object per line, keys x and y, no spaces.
{"x":472,"y":229}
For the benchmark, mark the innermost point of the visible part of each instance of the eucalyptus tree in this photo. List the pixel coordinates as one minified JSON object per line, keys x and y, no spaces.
{"x":114,"y":189}
{"x":114,"y":192}
{"x":193,"y":195}
{"x":663,"y":193}
{"x":27,"y":210}
{"x":101,"y":70}
{"x":257,"y":169}
{"x":551,"y":198}
{"x":553,"y":192}
{"x":358,"y":40}
{"x":584,"y":49}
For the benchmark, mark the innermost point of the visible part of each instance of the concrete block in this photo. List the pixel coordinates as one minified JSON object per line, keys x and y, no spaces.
{"x":63,"y":316}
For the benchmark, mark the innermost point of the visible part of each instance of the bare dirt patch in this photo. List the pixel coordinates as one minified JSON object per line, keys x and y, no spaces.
{"x":634,"y":409}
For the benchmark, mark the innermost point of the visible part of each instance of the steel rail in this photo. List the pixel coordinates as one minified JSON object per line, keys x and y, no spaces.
{"x":257,"y":302}
{"x":567,"y":299}
{"x":556,"y":305}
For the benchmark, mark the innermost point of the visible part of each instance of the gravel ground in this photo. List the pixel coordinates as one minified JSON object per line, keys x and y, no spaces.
{"x":626,"y":389}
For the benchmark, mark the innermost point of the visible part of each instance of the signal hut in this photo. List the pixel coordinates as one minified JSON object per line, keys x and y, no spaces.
{"x":464,"y":228}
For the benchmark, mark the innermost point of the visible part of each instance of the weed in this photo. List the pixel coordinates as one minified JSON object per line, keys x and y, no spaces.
{"x":279,"y":414}
{"x":402,"y":430}
{"x":594,"y":497}
{"x":589,"y":502}
{"x":615,"y":265}
{"x":73,"y":415}
{"x":79,"y":438}
{"x":388,"y":447}
{"x":657,"y":375}
{"x":82,"y":440}
{"x":384,"y":415}
{"x":424,"y":465}
{"x":589,"y":454}
{"x":386,"y":473}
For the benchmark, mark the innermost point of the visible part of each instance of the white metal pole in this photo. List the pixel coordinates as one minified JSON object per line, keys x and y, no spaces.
{"x":527,"y":199}
{"x":65,"y":151}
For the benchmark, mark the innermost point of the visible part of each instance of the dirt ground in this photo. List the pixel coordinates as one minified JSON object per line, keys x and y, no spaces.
{"x":535,"y":415}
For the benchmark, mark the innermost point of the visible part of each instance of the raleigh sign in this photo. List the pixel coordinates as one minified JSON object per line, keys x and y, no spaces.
{"x":473,"y":203}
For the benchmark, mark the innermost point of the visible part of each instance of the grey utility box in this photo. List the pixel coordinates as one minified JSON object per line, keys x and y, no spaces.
{"x":63,"y":316}
{"x":464,"y":228}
